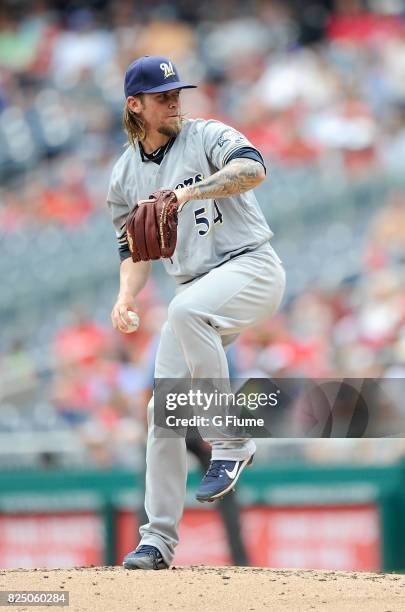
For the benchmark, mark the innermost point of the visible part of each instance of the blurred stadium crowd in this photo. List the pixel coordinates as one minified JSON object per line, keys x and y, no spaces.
{"x":318,"y":87}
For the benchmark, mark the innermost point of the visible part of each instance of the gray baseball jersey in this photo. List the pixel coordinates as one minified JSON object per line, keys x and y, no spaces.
{"x":210,"y":232}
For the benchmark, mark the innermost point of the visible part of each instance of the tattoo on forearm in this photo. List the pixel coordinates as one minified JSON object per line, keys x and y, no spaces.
{"x":239,"y":175}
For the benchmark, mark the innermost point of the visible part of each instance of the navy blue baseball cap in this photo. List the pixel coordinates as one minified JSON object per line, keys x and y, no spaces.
{"x":152,"y":74}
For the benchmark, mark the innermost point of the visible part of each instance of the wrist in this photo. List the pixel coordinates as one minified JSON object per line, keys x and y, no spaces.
{"x":183,"y":195}
{"x":125,"y":296}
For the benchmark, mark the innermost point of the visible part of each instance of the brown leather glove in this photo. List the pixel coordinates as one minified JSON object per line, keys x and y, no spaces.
{"x":152,"y":226}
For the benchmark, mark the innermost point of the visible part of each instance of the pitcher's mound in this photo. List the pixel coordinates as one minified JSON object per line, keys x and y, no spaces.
{"x":213,"y":589}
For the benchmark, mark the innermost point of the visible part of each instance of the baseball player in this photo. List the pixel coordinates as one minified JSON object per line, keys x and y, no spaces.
{"x":227,"y":275}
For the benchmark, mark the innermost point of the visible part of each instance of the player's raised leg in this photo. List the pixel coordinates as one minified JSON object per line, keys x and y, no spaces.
{"x":241,"y":293}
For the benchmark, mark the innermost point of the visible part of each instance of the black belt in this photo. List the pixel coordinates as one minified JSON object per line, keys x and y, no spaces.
{"x":248,"y":250}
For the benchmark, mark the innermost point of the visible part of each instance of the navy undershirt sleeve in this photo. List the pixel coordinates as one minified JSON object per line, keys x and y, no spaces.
{"x":249,"y":153}
{"x":124,"y":252}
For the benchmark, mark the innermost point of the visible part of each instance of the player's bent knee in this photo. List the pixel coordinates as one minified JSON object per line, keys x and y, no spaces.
{"x":180,"y":314}
{"x":177,"y":313}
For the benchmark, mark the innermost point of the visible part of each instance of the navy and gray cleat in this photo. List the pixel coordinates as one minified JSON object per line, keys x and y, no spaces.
{"x":146,"y":558}
{"x":221,"y":477}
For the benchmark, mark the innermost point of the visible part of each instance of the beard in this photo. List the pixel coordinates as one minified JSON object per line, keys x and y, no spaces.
{"x":170,"y":130}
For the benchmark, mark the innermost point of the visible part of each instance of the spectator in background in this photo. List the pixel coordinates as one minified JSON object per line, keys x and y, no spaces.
{"x":17,"y":368}
{"x":387,"y":233}
{"x":78,"y":350}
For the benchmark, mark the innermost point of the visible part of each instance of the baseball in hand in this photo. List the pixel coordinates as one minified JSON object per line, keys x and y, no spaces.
{"x":135,"y":321}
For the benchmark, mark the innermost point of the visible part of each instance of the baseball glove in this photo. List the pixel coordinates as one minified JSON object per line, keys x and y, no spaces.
{"x":152,"y":226}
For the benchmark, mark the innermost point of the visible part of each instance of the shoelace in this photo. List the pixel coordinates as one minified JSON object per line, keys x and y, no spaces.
{"x":146,"y":549}
{"x":214,"y":469}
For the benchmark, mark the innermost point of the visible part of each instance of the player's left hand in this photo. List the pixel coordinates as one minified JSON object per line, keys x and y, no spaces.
{"x":152,"y":226}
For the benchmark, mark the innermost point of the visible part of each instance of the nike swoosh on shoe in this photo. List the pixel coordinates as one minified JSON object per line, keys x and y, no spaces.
{"x":233,"y":472}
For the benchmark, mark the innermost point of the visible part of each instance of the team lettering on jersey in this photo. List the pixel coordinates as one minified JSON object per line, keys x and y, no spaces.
{"x":190,"y":181}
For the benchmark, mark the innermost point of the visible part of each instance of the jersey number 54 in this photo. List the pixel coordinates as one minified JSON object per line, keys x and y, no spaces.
{"x":203,"y":223}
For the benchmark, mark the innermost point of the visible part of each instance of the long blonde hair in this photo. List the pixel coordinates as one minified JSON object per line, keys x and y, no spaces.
{"x":133,"y":125}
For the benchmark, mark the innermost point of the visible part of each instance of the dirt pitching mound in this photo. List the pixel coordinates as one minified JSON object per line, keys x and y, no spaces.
{"x":213,"y":589}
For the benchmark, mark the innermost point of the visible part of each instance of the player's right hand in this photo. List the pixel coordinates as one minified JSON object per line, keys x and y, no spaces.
{"x":119,"y":314}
